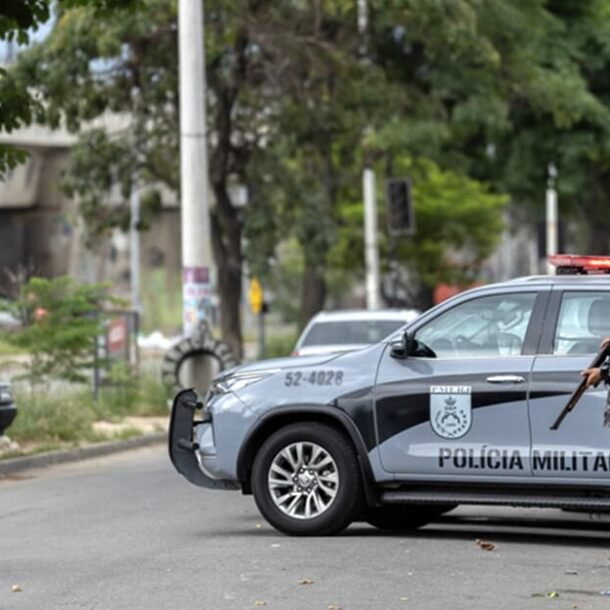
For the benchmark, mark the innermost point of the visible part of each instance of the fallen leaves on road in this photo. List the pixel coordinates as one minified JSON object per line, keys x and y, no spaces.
{"x":333,"y":607}
{"x":484,"y":545}
{"x":306,"y":581}
{"x":17,"y":589}
{"x":258,"y":526}
{"x":259,"y":602}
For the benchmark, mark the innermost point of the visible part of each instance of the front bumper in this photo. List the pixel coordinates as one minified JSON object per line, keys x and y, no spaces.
{"x":195,"y":463}
{"x":7,"y":415}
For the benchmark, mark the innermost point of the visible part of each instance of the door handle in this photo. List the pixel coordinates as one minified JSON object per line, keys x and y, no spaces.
{"x":506,"y":379}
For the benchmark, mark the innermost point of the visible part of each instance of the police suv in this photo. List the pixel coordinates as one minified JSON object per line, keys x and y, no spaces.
{"x":455,"y":408}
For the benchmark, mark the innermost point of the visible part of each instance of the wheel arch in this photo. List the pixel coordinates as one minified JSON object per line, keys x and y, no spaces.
{"x":283,"y":416}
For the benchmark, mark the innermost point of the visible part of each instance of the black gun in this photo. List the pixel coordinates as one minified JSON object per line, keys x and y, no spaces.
{"x":580,"y":390}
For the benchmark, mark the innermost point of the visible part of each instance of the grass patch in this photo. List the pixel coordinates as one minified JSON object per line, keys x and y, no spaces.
{"x":61,"y":420}
{"x":45,"y":418}
{"x":7,"y":349}
{"x":144,"y":396}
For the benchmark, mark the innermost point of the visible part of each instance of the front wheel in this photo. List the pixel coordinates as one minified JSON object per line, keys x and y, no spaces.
{"x":306,"y":480}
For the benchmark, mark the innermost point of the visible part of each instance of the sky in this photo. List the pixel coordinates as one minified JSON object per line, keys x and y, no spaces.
{"x":9,"y":50}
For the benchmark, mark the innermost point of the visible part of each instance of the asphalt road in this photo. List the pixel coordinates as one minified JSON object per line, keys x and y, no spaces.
{"x":127,"y":532}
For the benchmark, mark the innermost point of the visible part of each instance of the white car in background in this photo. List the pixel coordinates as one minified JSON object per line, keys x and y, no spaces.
{"x":345,"y":330}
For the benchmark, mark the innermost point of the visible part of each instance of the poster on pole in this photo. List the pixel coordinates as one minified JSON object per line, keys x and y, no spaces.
{"x":196,"y":294}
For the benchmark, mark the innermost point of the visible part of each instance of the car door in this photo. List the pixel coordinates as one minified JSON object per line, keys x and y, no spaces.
{"x":578,"y":320}
{"x":465,"y":410}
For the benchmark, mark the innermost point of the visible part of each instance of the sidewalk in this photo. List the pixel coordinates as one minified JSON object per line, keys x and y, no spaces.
{"x":12,"y":466}
{"x":141,"y":431}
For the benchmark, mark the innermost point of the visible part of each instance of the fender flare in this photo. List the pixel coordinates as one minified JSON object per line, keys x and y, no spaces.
{"x":312,"y":412}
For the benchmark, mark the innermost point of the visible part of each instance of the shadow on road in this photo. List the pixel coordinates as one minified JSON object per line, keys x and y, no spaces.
{"x":578,"y":530}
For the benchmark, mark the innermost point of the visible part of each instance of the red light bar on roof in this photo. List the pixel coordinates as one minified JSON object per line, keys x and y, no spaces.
{"x":576,"y":264}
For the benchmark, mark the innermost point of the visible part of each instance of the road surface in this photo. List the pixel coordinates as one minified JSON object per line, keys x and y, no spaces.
{"x":126,"y":531}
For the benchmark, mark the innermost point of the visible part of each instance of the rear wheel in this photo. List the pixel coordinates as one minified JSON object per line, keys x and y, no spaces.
{"x":306,"y":480}
{"x":400,"y":517}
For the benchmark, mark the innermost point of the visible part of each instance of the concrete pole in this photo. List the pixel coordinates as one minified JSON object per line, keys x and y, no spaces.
{"x":371,"y":250}
{"x":134,"y":250}
{"x":551,"y":218}
{"x":196,"y":247}
{"x":370,"y":240}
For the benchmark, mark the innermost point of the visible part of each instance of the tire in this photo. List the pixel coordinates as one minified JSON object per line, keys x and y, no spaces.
{"x":319,"y":500}
{"x":400,"y":517}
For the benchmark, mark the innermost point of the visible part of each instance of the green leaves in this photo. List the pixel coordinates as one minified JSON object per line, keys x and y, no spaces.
{"x":16,"y":18}
{"x":60,"y":324}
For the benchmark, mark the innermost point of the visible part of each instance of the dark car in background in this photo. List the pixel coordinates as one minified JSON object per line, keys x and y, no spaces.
{"x":8,"y":408}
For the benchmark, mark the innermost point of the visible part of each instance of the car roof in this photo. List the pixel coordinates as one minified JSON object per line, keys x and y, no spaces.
{"x":345,"y":315}
{"x":558,"y":280}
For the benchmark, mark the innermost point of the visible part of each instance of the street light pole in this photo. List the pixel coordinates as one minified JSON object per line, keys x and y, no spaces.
{"x":371,"y":248}
{"x":551,"y":218}
{"x":195,"y":218}
{"x":134,"y":249}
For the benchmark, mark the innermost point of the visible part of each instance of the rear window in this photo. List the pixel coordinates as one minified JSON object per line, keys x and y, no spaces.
{"x":350,"y":332}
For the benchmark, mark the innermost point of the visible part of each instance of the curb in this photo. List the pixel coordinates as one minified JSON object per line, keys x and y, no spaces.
{"x":63,"y":456}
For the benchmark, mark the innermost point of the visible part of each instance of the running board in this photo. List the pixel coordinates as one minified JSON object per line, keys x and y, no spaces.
{"x":498,"y":499}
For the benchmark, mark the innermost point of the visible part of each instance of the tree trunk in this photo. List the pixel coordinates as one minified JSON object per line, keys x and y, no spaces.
{"x":599,"y":238}
{"x":595,"y":209}
{"x":226,"y":223}
{"x":228,"y":258}
{"x":314,"y":294}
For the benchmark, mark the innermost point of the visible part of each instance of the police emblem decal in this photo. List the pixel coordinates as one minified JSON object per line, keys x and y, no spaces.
{"x":451,"y":410}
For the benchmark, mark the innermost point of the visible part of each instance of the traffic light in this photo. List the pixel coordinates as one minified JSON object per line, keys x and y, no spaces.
{"x":401,"y":217}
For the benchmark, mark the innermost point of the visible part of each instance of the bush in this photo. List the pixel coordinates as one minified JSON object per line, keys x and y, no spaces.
{"x":68,"y":416}
{"x":60,"y":325}
{"x":279,"y":346}
{"x":143,"y":396}
{"x":48,"y":418}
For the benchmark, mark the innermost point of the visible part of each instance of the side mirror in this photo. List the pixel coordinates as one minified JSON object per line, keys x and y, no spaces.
{"x":405,"y":347}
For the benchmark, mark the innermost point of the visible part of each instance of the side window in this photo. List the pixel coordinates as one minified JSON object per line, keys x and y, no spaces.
{"x":584,"y":320}
{"x":487,"y":326}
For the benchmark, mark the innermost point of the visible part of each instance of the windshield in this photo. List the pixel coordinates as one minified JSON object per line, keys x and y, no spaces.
{"x":350,"y":332}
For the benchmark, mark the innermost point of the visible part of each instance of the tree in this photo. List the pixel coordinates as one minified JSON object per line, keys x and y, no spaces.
{"x":59,"y":327}
{"x":513,"y":86}
{"x":257,"y":51}
{"x":566,"y":121}
{"x":17,"y":21}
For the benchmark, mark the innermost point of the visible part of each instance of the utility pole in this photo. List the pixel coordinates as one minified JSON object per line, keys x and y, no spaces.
{"x":551,"y":218}
{"x":195,"y":218}
{"x":134,"y":250}
{"x":371,"y":249}
{"x":370,"y":239}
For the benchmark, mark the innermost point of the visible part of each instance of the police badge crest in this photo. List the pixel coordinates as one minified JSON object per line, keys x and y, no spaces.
{"x":451,"y":410}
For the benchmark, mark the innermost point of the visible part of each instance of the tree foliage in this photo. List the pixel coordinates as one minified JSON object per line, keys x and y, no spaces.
{"x":18,"y":20}
{"x":469,"y":98}
{"x":59,"y":326}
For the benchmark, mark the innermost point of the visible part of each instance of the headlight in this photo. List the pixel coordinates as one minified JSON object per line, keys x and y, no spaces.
{"x":237,"y":381}
{"x":5,"y":395}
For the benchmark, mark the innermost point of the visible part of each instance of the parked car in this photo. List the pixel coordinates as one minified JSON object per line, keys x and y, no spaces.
{"x":8,"y":408}
{"x":344,"y":330}
{"x":8,"y":321}
{"x":455,"y":408}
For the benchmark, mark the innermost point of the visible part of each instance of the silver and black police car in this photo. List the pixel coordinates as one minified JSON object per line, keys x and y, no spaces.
{"x":453,"y":409}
